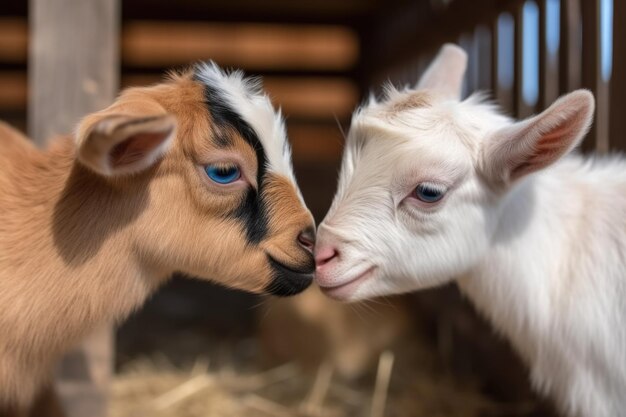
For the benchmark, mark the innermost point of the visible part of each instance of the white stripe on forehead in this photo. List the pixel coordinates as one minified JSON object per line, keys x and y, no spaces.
{"x":246,"y":98}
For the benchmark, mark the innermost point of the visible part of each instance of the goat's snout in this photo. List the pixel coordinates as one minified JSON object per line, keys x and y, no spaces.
{"x":325,"y":255}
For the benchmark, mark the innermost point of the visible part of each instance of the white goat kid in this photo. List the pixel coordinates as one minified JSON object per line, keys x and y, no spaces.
{"x":433,"y":188}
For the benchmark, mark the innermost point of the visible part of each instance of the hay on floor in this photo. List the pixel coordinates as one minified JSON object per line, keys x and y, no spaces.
{"x":154,"y":387}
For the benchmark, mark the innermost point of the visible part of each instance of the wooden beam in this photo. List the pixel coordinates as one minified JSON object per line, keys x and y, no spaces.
{"x":548,"y":61}
{"x":521,"y":110}
{"x":314,"y":97}
{"x":597,"y":138}
{"x":618,"y":80}
{"x":504,"y":92}
{"x":276,"y":11}
{"x":483,"y":51}
{"x":312,"y":143}
{"x":13,"y":91}
{"x":495,"y":39}
{"x":73,"y":64}
{"x":570,"y":62}
{"x":13,"y":39}
{"x":257,"y":47}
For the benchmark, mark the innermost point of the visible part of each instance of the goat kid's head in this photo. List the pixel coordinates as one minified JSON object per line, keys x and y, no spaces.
{"x":422,"y":177}
{"x":208,"y":154}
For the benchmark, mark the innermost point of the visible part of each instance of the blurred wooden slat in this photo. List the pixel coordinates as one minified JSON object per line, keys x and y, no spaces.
{"x":493,"y":27}
{"x":543,"y":53}
{"x":243,"y":45}
{"x":618,"y":80}
{"x":321,"y":97}
{"x":315,"y":143}
{"x":13,"y":39}
{"x":255,"y":46}
{"x":522,"y":110}
{"x":483,"y":50}
{"x":570,"y":51}
{"x":247,"y":10}
{"x":505,"y":91}
{"x":548,"y":64}
{"x":596,"y":139}
{"x":13,"y":90}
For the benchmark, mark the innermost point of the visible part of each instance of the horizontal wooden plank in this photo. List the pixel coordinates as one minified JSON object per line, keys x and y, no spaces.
{"x":315,"y":143}
{"x":305,"y":97}
{"x":244,"y":45}
{"x":13,"y":91}
{"x":330,"y":11}
{"x":13,"y":39}
{"x":313,"y":97}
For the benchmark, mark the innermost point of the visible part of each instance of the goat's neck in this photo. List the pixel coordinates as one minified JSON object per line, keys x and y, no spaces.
{"x":70,"y":265}
{"x":518,"y":283}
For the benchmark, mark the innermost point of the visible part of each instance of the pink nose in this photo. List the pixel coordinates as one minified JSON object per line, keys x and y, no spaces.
{"x":324,"y":255}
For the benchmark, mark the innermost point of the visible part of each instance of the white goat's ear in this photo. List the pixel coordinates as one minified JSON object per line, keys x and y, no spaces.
{"x":445,"y":74}
{"x":122,"y":144}
{"x":539,"y":141}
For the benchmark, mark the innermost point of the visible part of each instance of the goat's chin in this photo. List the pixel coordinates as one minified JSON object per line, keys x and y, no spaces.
{"x":351,"y":289}
{"x":287,"y":280}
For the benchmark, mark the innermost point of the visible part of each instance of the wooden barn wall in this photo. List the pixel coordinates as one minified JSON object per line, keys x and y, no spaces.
{"x":308,"y":57}
{"x":400,"y":51}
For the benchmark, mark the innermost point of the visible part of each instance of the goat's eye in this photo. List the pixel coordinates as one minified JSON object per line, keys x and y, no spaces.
{"x":223,"y":174}
{"x":429,"y":193}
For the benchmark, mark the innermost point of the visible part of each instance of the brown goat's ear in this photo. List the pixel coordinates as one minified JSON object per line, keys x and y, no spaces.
{"x":122,"y":144}
{"x":535,"y":143}
{"x":445,"y":74}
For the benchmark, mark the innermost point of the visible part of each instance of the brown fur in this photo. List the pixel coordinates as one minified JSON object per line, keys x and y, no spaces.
{"x":78,"y":249}
{"x":419,"y":99}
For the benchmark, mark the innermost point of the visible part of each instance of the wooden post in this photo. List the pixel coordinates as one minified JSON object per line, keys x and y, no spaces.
{"x":73,"y":70}
{"x":548,"y":62}
{"x":522,"y":110}
{"x":618,"y":80}
{"x":505,"y":94}
{"x":73,"y":62}
{"x":597,"y":139}
{"x":570,"y":57}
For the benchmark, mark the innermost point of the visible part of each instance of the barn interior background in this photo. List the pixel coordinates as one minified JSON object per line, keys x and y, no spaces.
{"x":199,"y":350}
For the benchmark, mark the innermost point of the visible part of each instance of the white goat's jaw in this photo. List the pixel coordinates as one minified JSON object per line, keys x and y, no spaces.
{"x":346,"y":290}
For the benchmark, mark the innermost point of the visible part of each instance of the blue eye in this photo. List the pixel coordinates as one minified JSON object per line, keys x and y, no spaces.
{"x":429,"y":193}
{"x":223,"y":174}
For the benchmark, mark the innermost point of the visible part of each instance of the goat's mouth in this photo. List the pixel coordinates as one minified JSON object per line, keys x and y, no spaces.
{"x":346,"y":289}
{"x":289,"y":280}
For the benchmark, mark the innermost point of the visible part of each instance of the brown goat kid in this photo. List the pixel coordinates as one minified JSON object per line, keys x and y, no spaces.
{"x":192,"y":175}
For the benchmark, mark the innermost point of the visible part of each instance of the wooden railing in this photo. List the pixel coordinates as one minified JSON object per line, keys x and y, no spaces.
{"x":527,"y":52}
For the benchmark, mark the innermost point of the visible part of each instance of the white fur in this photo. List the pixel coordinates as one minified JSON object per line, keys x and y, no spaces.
{"x":542,"y":255}
{"x":246,"y":95}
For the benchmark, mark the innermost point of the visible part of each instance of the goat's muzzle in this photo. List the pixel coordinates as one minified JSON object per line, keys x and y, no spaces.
{"x":289,"y":280}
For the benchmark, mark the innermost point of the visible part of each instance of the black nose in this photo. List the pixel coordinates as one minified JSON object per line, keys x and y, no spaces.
{"x":306,"y":239}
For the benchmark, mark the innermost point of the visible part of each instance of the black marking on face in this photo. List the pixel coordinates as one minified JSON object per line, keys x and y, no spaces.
{"x":287,"y":281}
{"x":253,"y":211}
